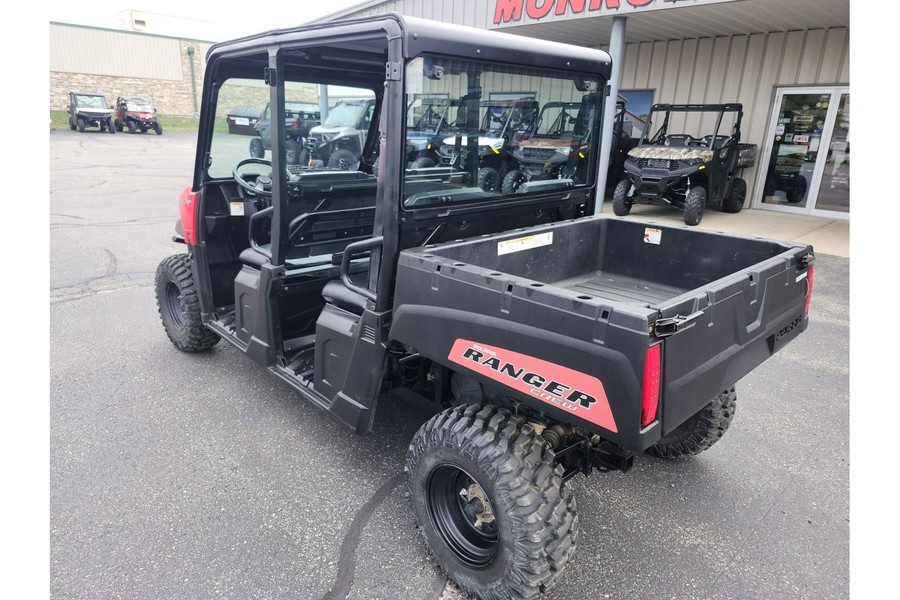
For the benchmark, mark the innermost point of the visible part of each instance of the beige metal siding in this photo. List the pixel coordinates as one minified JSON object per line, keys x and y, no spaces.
{"x":116,"y":54}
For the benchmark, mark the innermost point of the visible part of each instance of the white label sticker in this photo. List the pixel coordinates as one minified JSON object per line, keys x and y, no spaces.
{"x":237,"y":209}
{"x":652,"y":236}
{"x":524,"y":243}
{"x":801,"y":276}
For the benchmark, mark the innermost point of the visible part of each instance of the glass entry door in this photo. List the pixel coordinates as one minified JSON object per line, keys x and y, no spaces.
{"x":807,"y":153}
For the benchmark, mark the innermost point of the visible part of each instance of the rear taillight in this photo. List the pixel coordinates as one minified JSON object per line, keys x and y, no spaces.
{"x":809,"y":285}
{"x":187,"y":208}
{"x":650,"y":398}
{"x":297,"y":123}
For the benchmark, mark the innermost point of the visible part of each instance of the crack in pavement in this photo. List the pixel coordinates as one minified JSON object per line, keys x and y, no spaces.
{"x":347,"y":560}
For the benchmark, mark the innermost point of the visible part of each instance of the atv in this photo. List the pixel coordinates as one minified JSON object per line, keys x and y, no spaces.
{"x":338,"y":142}
{"x":136,"y":114}
{"x":684,"y":171}
{"x":488,"y":135}
{"x":89,"y":110}
{"x":300,"y":118}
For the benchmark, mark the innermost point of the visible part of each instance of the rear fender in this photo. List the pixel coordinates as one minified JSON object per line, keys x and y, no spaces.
{"x":571,"y":381}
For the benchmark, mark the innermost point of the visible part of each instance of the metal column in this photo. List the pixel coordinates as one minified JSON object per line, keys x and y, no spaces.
{"x":617,"y":52}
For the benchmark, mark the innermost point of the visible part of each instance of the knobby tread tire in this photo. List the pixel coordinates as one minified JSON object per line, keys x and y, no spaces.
{"x":694,"y":204}
{"x":191,"y":335}
{"x":536,"y":513}
{"x":620,"y":201}
{"x":701,"y":431}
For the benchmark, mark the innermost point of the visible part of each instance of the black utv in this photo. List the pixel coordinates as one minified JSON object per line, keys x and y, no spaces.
{"x":499,"y":121}
{"x":684,"y":171}
{"x":90,"y":110}
{"x":549,"y":342}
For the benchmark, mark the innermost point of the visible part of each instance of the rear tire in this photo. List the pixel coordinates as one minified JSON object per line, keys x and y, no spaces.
{"x":488,"y":179}
{"x":490,"y":503}
{"x":694,"y":204}
{"x":735,"y":201}
{"x":179,"y":305}
{"x":798,"y":190}
{"x":512,"y":181}
{"x":699,"y":432}
{"x":621,"y":202}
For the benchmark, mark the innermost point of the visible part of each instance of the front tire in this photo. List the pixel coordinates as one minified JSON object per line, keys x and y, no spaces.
{"x":80,"y":126}
{"x":699,"y":432}
{"x":132,"y":127}
{"x":512,"y":181}
{"x":620,"y":200}
{"x":343,"y":160}
{"x":694,"y":204}
{"x":488,"y":179}
{"x":179,"y":305}
{"x":158,"y":128}
{"x":490,"y":503}
{"x":110,"y":126}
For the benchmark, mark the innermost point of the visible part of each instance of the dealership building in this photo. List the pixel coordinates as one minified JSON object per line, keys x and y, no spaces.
{"x":787,"y":63}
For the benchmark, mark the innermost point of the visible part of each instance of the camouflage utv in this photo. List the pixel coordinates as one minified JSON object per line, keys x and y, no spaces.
{"x":684,"y":171}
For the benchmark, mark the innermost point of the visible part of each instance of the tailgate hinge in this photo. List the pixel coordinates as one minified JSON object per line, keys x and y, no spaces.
{"x":807,"y":259}
{"x":392,"y":71}
{"x":671,"y":325}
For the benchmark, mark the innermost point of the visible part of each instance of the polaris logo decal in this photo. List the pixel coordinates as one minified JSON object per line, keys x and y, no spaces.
{"x":570,"y":390}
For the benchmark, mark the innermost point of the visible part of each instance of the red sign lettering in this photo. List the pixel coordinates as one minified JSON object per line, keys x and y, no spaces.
{"x":507,"y":11}
{"x":538,"y":9}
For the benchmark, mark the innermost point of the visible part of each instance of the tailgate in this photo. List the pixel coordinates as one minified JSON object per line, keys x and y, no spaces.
{"x":718,"y":333}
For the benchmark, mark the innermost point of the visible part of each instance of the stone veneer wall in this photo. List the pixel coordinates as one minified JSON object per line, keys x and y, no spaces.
{"x":170,"y":97}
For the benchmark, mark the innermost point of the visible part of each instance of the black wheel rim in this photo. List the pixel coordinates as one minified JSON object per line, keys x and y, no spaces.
{"x":173,"y":302}
{"x":475,"y":545}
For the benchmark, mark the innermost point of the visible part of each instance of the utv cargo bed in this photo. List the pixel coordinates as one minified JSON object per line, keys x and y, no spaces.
{"x":592,"y":296}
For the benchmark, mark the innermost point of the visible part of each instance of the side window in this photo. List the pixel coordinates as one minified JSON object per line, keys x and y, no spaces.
{"x":503,"y":132}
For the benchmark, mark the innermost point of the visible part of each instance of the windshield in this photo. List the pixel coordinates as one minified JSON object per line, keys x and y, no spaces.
{"x":90,"y":101}
{"x":138,"y":105}
{"x":488,"y":110}
{"x":345,"y":115}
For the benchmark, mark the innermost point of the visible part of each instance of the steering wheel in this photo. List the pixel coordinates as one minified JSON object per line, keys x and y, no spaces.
{"x":257,"y":188}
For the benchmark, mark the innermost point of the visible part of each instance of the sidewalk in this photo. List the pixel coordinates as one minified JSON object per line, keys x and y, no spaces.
{"x":827,"y":236}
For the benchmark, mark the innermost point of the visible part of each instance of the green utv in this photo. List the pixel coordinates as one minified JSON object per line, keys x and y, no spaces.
{"x":551,"y":342}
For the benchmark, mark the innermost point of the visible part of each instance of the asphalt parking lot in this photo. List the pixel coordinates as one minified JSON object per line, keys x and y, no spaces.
{"x":202,"y":476}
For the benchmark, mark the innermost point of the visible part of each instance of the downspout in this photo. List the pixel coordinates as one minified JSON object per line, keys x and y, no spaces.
{"x":617,"y":53}
{"x":190,"y":51}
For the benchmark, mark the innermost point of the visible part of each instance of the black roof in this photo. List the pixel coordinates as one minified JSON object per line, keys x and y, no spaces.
{"x":425,"y":36}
